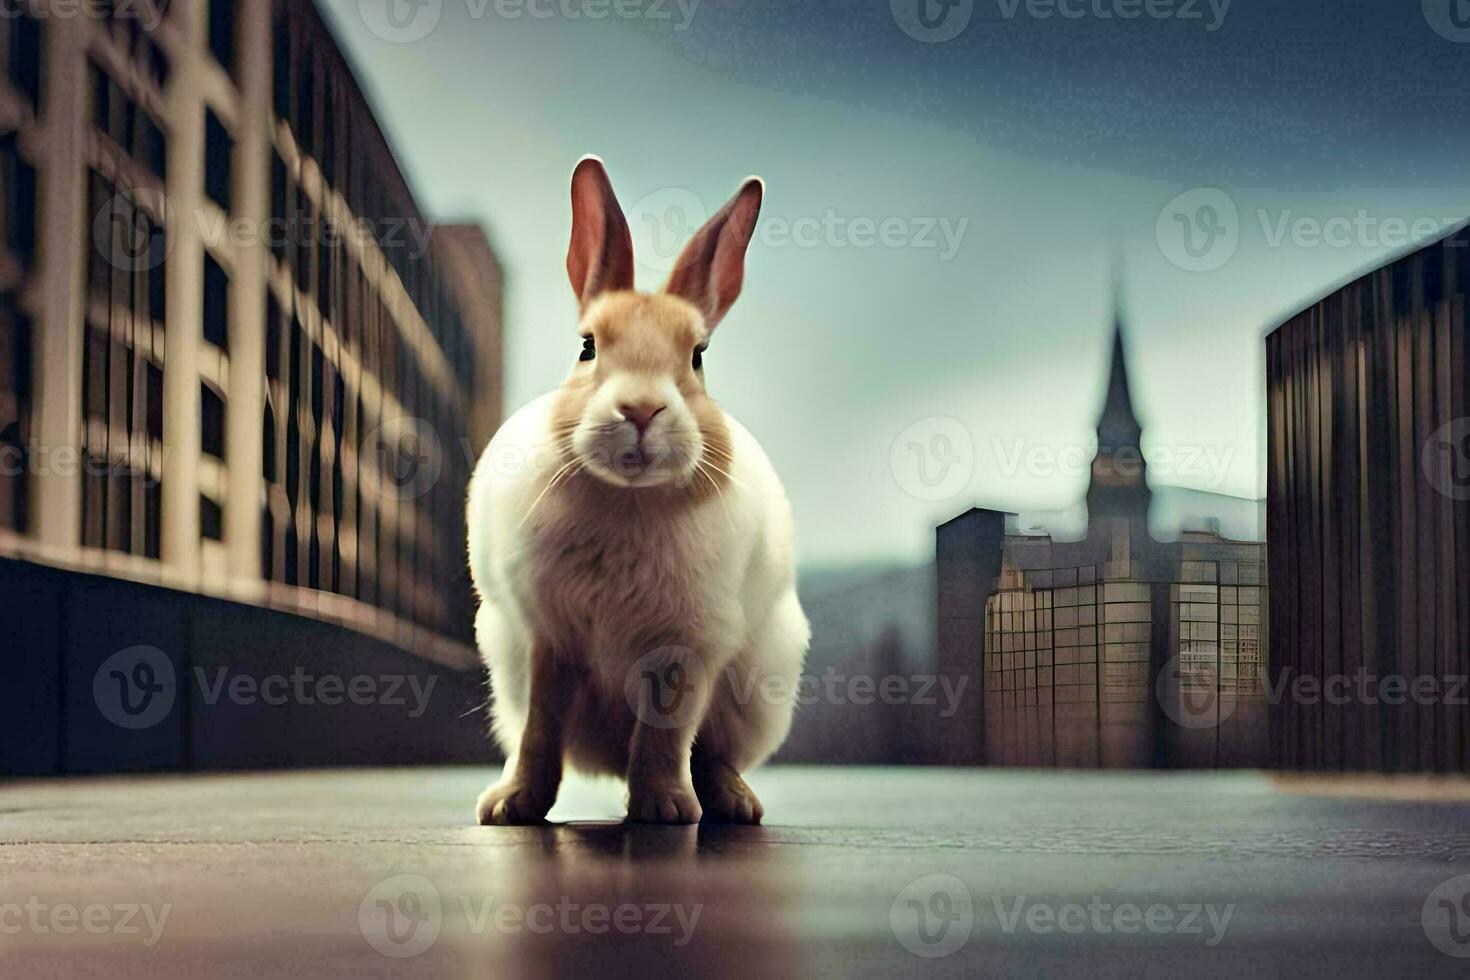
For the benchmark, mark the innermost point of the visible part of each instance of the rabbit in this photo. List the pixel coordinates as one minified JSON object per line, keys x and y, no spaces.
{"x":633,"y":548}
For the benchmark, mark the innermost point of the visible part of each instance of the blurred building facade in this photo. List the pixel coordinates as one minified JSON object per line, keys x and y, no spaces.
{"x":1113,"y":651}
{"x":236,"y":360}
{"x":1369,"y":517}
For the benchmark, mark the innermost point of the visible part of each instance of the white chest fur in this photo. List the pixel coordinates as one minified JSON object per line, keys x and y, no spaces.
{"x":626,"y":577}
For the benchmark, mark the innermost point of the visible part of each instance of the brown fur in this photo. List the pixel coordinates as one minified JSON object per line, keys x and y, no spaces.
{"x":654,"y":335}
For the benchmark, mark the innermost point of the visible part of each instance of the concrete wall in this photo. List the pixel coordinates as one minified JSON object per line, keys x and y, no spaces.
{"x":233,"y":686}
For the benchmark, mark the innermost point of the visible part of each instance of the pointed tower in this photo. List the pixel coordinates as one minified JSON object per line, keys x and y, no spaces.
{"x":1119,"y":487}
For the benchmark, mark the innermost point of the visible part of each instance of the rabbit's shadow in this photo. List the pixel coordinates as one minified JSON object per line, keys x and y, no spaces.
{"x":628,"y":841}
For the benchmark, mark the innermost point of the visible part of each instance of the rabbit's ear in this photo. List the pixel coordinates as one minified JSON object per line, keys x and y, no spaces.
{"x":711,"y":269}
{"x":600,"y":259}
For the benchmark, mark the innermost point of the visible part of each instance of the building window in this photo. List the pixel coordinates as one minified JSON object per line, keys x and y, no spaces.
{"x":150,"y":146}
{"x":223,"y":20}
{"x":211,"y":422}
{"x":122,"y":385}
{"x":219,"y":150}
{"x":327,"y":255}
{"x":15,"y":410}
{"x":211,"y":520}
{"x":279,"y":230}
{"x":23,"y":54}
{"x":159,"y":68}
{"x":154,"y":412}
{"x":281,"y":71}
{"x":270,"y":469}
{"x":17,"y":201}
{"x":131,"y":127}
{"x":304,"y":121}
{"x":216,"y":304}
{"x":273,"y":341}
{"x":157,"y":271}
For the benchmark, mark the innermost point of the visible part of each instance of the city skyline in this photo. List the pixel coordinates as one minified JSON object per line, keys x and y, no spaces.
{"x":838,"y":347}
{"x":1114,"y":649}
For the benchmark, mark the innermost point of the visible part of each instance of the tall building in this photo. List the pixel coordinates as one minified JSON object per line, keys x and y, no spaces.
{"x":1112,"y":651}
{"x":236,"y":360}
{"x":1369,"y":511}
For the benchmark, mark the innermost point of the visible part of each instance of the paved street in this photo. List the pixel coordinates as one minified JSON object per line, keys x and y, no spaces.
{"x":858,"y":872}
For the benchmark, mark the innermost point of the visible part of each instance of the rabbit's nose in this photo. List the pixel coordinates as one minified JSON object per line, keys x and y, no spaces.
{"x":641,"y":415}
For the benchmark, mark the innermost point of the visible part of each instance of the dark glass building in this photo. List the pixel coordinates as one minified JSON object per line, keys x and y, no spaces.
{"x":1369,"y":470}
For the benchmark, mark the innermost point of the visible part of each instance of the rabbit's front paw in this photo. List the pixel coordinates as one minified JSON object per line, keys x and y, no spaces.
{"x":727,"y":798}
{"x":664,"y":803}
{"x":512,"y":803}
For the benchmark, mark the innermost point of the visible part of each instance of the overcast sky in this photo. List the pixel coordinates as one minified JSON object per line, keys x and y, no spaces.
{"x":927,"y":308}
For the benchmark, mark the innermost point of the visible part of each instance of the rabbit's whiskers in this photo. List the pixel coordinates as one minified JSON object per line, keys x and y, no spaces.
{"x":570,"y":468}
{"x":699,"y":468}
{"x":720,"y":470}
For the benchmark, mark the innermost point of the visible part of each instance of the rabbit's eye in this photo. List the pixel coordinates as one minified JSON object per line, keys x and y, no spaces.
{"x":699,"y":356}
{"x":589,"y":349}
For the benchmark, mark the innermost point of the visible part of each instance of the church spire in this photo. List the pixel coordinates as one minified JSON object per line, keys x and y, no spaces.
{"x":1118,"y":427}
{"x":1119,"y":487}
